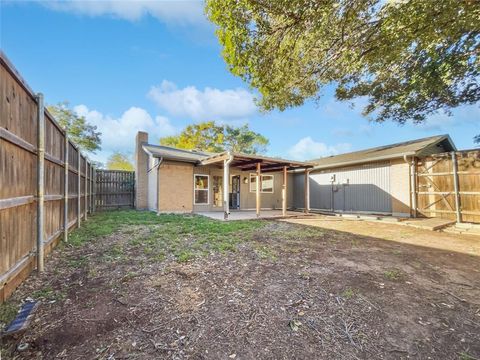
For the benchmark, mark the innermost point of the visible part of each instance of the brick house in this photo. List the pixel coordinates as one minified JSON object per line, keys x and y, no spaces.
{"x":379,"y":180}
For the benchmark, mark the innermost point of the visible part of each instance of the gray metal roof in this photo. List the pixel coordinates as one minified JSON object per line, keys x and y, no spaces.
{"x":172,"y":153}
{"x":418,"y":147}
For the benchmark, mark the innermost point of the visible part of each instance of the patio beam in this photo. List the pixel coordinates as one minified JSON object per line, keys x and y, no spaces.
{"x":257,"y":189}
{"x":284,"y":192}
{"x":278,"y":167}
{"x":216,"y":159}
{"x":248,"y":163}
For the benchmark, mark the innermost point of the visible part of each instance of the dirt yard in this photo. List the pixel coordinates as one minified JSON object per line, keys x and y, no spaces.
{"x":187,"y":287}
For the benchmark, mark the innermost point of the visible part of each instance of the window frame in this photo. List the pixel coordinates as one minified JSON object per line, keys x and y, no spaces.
{"x":207,"y":189}
{"x":254,"y":175}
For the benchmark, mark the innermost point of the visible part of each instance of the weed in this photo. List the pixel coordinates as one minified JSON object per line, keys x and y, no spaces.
{"x":48,"y":293}
{"x":129,"y":276}
{"x":77,"y":262}
{"x":348,"y":293}
{"x":265,"y":252}
{"x":392,"y":274}
{"x":466,"y":356}
{"x":185,"y":256}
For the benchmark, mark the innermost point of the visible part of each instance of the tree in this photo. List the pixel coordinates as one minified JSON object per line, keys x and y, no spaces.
{"x":119,"y":161}
{"x":83,"y":134}
{"x":208,"y":136}
{"x":408,"y":58}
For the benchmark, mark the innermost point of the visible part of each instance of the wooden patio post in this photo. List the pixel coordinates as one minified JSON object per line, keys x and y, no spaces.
{"x":65,"y":191}
{"x":284,"y":192}
{"x":226,"y":190}
{"x":458,"y":211}
{"x":257,"y":189}
{"x":40,"y":181}
{"x":79,"y":192}
{"x":306,"y":191}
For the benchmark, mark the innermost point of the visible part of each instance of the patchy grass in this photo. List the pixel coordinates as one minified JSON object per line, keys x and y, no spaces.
{"x":190,"y":236}
{"x":49,"y":294}
{"x":8,"y":310}
{"x":184,"y":236}
{"x":134,"y":284}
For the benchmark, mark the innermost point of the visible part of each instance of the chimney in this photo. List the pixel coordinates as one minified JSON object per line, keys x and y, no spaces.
{"x":141,"y":168}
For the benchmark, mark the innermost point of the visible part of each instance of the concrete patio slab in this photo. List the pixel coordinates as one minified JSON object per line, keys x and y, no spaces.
{"x":251,"y":214}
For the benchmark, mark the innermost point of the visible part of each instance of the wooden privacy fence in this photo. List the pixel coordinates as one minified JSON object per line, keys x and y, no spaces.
{"x":46,"y":184}
{"x":448,"y":186}
{"x":114,"y":189}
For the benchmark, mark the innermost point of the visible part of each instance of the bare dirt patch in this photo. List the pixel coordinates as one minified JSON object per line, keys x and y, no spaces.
{"x":287,"y":292}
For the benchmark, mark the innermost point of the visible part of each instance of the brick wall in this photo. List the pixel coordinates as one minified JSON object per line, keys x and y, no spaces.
{"x":175,"y":187}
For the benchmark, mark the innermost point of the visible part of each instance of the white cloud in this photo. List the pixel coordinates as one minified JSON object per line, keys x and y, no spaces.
{"x":307,"y":149}
{"x":209,"y":104}
{"x":169,"y":11}
{"x":118,"y":134}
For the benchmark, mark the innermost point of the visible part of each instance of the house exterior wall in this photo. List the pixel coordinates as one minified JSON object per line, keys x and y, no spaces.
{"x":247,"y":198}
{"x":176,"y":192}
{"x":175,"y":187}
{"x":400,"y":187}
{"x":267,"y":200}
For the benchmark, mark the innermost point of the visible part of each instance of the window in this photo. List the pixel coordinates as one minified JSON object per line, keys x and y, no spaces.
{"x":266,"y":184}
{"x":201,"y":189}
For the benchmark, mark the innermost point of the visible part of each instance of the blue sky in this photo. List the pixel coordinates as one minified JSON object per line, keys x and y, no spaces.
{"x":156,"y":66}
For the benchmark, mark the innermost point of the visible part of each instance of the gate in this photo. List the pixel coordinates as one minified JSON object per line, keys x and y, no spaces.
{"x":448,"y":186}
{"x":115,"y":189}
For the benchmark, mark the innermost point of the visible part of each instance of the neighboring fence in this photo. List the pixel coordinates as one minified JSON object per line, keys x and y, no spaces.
{"x":114,"y":189}
{"x":45,"y":182}
{"x":448,"y":186}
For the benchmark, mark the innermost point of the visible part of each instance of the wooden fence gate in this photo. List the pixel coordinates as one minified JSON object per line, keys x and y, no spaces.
{"x":114,"y":189}
{"x":448,"y":186}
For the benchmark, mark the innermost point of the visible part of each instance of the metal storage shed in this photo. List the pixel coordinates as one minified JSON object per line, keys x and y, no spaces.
{"x":377,"y":180}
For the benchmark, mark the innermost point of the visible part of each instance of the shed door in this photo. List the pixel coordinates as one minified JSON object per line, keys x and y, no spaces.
{"x":364,"y":188}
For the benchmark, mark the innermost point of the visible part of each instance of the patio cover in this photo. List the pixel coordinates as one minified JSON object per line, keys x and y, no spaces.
{"x":261,"y":164}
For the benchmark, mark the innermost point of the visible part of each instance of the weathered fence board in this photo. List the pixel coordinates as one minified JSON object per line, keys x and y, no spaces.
{"x":20,"y":188}
{"x":114,"y":189}
{"x":450,"y":189}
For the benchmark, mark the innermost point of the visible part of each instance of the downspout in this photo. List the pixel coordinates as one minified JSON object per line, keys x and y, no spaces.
{"x":405,"y":158}
{"x":412,"y":185}
{"x":158,"y":183}
{"x":154,"y":167}
{"x":226,"y":184}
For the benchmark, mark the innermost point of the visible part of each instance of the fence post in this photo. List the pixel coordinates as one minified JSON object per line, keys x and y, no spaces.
{"x":65,"y":192}
{"x":92,"y":184}
{"x":458,"y":211}
{"x":79,"y":192}
{"x":40,"y":181}
{"x":85,"y":203}
{"x":94,"y":188}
